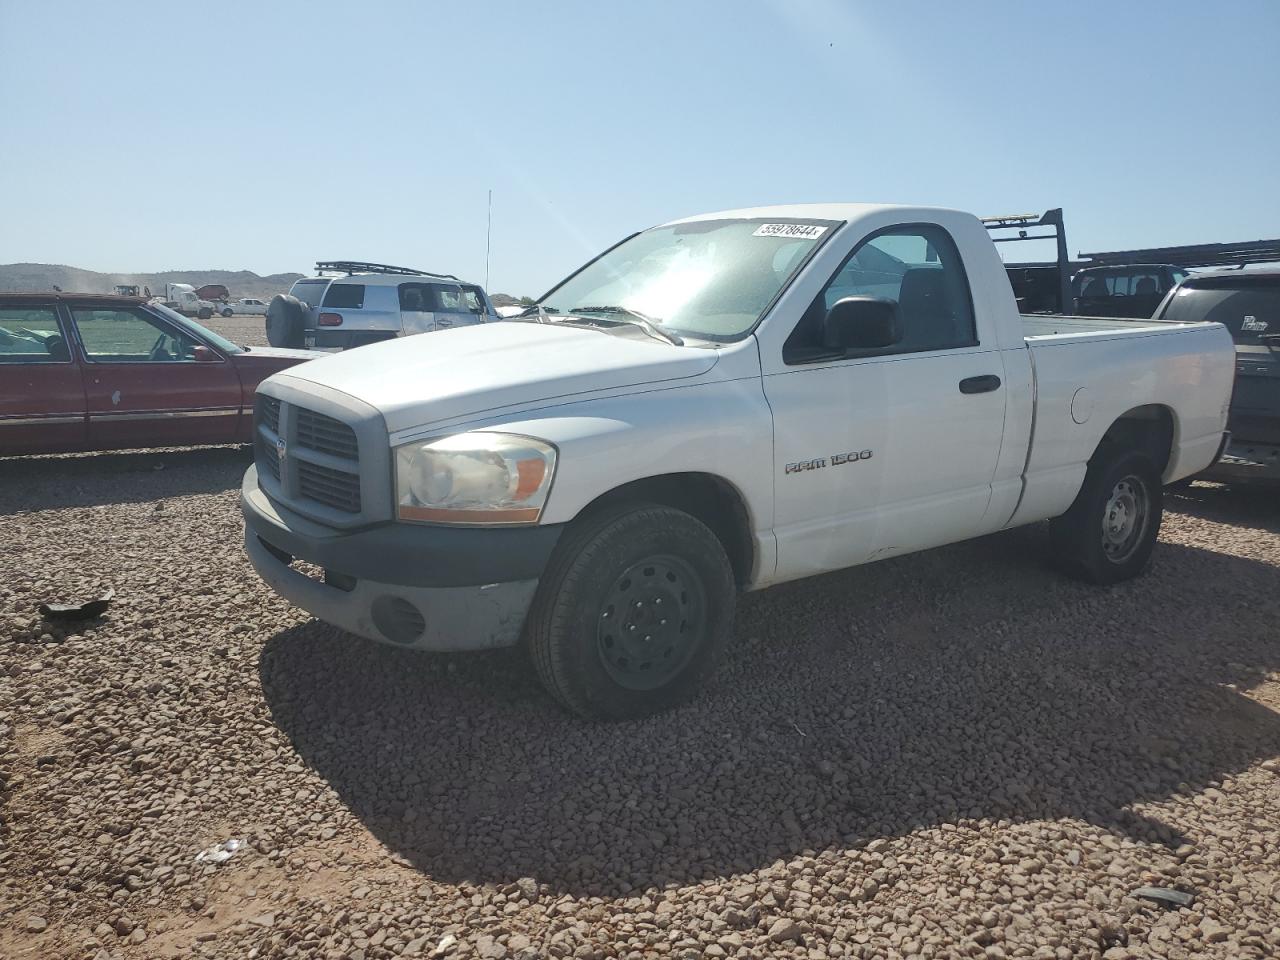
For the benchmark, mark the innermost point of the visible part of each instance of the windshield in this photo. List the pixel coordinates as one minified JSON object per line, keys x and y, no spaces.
{"x":222,"y":343}
{"x":710,"y":279}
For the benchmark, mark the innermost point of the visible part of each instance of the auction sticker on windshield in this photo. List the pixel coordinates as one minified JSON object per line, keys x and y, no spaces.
{"x":798,"y":231}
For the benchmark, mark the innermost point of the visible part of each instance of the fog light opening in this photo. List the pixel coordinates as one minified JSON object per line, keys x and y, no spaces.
{"x":397,"y":619}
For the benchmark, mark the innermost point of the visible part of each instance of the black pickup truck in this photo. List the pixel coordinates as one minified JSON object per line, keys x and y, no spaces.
{"x":1247,"y":302}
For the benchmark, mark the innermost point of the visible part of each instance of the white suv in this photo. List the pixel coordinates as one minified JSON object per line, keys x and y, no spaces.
{"x":368,"y":302}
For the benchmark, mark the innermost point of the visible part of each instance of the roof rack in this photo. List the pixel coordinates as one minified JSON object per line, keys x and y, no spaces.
{"x":1193,"y":255}
{"x":359,"y":266}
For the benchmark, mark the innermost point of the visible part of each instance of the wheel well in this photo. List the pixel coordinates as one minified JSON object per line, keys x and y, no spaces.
{"x":1148,"y":428}
{"x":711,"y":499}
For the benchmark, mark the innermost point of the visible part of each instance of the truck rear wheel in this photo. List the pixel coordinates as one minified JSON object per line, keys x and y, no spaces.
{"x":1109,"y":532}
{"x":632,"y":612}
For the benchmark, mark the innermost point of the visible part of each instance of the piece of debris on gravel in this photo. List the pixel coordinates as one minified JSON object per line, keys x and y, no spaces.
{"x":955,"y":754}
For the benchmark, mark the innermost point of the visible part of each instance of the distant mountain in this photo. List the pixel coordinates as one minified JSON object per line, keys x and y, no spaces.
{"x":39,"y":277}
{"x":46,"y":276}
{"x":506,"y":300}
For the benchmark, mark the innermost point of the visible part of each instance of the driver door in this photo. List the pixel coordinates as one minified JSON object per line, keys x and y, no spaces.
{"x":143,"y":385}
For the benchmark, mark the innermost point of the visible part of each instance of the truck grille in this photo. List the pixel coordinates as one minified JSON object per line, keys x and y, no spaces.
{"x":269,"y":412}
{"x":335,"y":488}
{"x":267,"y":460}
{"x":320,"y":464}
{"x":315,"y":431}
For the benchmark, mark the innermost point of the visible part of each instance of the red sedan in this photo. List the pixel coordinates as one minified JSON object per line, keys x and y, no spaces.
{"x":93,"y":372}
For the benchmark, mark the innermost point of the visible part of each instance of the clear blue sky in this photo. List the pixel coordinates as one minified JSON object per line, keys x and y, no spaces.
{"x":265,"y":135}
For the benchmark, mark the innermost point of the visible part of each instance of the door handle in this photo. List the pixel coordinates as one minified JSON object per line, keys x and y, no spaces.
{"x":983,"y":384}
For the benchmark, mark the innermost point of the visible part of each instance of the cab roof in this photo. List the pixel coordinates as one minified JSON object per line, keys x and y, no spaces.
{"x":810,"y":211}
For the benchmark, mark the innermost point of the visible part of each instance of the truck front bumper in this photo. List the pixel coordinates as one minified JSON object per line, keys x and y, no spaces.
{"x":412,"y":585}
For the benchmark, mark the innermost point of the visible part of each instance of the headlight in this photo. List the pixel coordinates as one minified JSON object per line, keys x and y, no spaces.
{"x":474,"y":478}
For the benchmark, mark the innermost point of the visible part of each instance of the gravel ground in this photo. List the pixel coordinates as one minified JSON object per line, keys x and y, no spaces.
{"x":954,"y":754}
{"x":247,"y":331}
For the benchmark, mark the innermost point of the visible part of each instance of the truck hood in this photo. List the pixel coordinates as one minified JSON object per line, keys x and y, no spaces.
{"x":431,"y":377}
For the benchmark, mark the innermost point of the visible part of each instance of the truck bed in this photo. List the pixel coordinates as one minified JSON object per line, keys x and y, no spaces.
{"x":1038,"y":325}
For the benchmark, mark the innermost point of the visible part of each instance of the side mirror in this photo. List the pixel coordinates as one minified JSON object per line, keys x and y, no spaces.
{"x":863,"y":323}
{"x":203,"y":354}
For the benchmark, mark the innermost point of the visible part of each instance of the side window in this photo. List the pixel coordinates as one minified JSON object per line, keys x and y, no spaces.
{"x":448,"y":299}
{"x":130,"y":336}
{"x":415,"y":297}
{"x":31,"y":335}
{"x":471,"y":297}
{"x":917,"y":267}
{"x":349,"y":296}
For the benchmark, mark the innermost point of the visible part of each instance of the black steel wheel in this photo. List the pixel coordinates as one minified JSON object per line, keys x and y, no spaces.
{"x":632,"y":611}
{"x":649,"y":622}
{"x":1109,"y":532}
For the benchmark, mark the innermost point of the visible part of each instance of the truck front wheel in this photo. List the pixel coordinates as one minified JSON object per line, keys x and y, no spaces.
{"x":1110,"y":530}
{"x":632,"y":612}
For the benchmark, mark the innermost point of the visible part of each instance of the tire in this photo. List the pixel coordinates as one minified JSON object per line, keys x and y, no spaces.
{"x":227,"y":312}
{"x":656,"y":555}
{"x":286,"y":319}
{"x":204,"y":313}
{"x":1110,"y":530}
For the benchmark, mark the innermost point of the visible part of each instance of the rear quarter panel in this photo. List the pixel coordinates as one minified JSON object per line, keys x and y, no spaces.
{"x":1084,"y":383}
{"x":380,"y":312}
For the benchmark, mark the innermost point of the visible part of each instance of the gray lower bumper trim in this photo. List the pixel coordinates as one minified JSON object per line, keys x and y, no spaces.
{"x":450,"y":618}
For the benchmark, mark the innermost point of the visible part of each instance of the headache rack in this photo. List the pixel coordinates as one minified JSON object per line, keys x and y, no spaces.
{"x":1039,"y":287}
{"x":350,"y":267}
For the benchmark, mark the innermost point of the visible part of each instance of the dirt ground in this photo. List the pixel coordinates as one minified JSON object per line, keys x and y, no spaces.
{"x":244,"y":330}
{"x":953,"y":754}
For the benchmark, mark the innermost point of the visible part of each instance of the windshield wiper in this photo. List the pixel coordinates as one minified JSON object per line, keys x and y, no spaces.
{"x":638,"y":319}
{"x":536,"y":312}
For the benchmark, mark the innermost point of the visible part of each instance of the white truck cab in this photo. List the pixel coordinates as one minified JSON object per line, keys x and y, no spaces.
{"x":182,"y":298}
{"x":715,"y":404}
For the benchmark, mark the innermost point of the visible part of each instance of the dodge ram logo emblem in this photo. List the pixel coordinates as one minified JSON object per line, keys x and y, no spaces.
{"x":280,"y":449}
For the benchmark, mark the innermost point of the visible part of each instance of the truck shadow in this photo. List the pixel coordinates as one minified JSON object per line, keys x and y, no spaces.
{"x":1241,"y":505}
{"x":967,"y":682}
{"x":133,"y":476}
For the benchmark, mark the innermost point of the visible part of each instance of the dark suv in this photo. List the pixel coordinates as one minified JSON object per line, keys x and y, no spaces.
{"x":1248,"y":304}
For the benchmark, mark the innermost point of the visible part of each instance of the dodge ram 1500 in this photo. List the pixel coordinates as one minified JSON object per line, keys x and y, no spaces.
{"x":716,"y":404}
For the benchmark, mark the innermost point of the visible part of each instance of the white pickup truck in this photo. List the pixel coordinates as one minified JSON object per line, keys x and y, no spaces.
{"x":716,"y":404}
